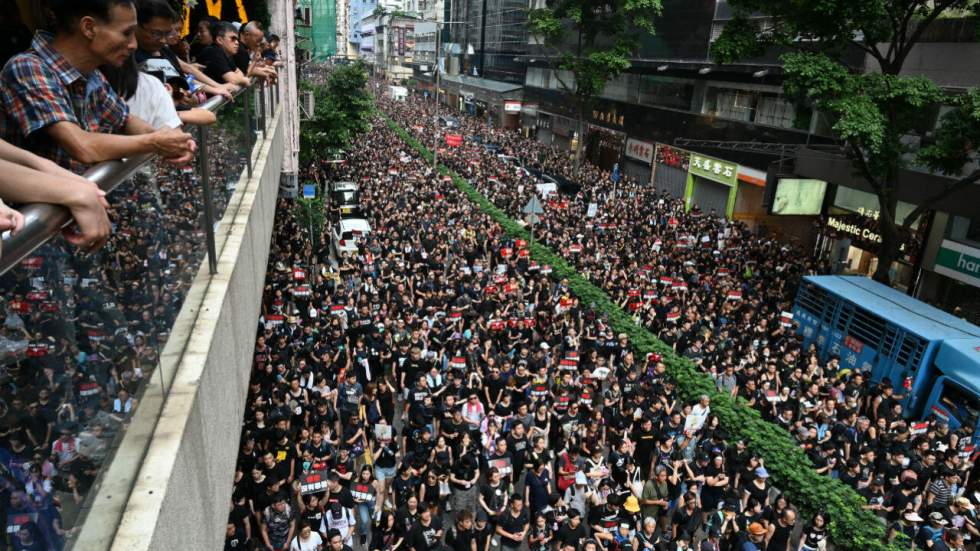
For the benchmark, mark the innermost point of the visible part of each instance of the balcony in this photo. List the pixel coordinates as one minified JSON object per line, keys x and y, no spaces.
{"x":123,"y":381}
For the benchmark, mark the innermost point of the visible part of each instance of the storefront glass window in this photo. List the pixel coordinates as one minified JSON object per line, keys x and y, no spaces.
{"x":965,"y":230}
{"x":866,"y":204}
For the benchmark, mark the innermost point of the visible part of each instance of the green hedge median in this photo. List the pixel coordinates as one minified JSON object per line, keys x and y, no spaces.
{"x":852,"y":527}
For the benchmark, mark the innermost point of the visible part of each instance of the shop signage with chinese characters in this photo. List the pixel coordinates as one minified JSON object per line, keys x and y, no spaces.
{"x":512,"y":107}
{"x":716,"y":170}
{"x":641,"y":151}
{"x":959,"y":262}
{"x":608,"y":117}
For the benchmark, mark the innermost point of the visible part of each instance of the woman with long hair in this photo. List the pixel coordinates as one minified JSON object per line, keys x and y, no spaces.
{"x":384,"y":535}
{"x":364,"y":490}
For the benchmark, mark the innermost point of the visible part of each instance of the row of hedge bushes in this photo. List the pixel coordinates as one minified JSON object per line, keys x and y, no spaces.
{"x":852,"y":526}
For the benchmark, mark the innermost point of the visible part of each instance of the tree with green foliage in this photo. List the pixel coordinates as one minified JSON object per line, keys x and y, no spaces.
{"x":309,"y":214}
{"x":342,"y":111}
{"x":873,"y":112}
{"x":593,"y":40}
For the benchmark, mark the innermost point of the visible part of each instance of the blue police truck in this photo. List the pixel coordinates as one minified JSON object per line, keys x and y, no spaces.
{"x":930,"y":356}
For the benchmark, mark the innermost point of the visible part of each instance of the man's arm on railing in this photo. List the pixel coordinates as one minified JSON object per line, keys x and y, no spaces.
{"x":28,"y":178}
{"x":212,"y":87}
{"x":94,"y":147}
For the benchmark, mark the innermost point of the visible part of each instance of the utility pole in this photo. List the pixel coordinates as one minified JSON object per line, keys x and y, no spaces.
{"x":435,"y":118}
{"x":483,"y":37}
{"x":438,"y":70}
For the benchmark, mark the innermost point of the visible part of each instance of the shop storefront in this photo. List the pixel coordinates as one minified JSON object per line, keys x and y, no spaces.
{"x":604,"y":146}
{"x":529,"y":120}
{"x":544,"y":130}
{"x":712,"y":185}
{"x":483,"y":98}
{"x":851,"y":237}
{"x":951,"y":270}
{"x":670,"y":168}
{"x":512,"y":114}
{"x":563,"y":131}
{"x":959,"y":290}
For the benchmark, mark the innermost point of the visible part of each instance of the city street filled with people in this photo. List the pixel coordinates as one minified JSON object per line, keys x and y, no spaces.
{"x":434,"y":387}
{"x":420,"y":380}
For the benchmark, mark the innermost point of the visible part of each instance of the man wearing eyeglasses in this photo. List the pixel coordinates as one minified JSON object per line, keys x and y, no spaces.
{"x":218,"y":58}
{"x":155,"y":28}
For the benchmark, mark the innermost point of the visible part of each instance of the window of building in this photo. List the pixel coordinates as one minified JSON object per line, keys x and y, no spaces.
{"x":760,"y":107}
{"x":732,"y":104}
{"x":965,"y":230}
{"x":665,"y":92}
{"x":621,"y":88}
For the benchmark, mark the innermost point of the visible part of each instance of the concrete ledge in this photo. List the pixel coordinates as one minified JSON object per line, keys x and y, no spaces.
{"x":184,"y":442}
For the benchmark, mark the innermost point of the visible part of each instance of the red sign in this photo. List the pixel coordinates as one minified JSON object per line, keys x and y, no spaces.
{"x":853,"y":344}
{"x":454,"y":140}
{"x":32,"y":262}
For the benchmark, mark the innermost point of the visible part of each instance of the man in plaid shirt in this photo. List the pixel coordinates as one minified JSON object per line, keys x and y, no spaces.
{"x":58,"y":104}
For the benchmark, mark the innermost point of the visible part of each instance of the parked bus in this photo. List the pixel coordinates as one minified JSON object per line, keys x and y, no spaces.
{"x":930,"y":356}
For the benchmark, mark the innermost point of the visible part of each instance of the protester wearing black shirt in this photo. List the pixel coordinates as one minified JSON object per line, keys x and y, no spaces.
{"x":426,"y":533}
{"x":513,"y":524}
{"x":571,"y":532}
{"x":461,"y":536}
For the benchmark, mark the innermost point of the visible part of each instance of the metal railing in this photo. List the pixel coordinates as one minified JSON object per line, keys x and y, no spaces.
{"x":43,"y":221}
{"x":98,"y":323}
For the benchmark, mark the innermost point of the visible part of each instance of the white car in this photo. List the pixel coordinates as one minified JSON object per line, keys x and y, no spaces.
{"x":347,"y":233}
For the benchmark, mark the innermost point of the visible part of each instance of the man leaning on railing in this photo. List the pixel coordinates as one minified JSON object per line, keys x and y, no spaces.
{"x":59,"y":106}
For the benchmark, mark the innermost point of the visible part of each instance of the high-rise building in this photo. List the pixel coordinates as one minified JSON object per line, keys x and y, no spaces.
{"x":492,"y":38}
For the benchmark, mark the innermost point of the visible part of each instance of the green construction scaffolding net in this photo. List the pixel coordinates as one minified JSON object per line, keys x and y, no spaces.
{"x":320,"y":36}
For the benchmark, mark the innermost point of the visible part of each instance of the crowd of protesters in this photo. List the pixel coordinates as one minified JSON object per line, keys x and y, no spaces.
{"x":715,"y":291}
{"x":85,"y":318}
{"x":439,"y":390}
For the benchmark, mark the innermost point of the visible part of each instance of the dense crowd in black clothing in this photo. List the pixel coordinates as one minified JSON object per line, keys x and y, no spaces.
{"x":440,"y":375}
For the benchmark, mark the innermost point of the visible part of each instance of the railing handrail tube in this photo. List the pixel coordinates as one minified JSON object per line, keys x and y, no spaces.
{"x":42,"y":221}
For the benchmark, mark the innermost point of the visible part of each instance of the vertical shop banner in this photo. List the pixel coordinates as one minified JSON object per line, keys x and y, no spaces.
{"x":401,"y":41}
